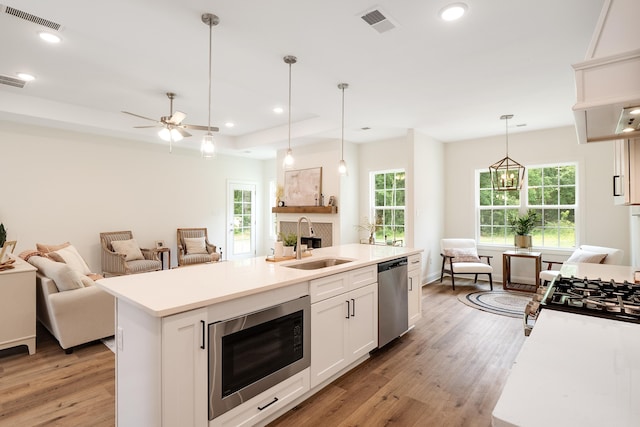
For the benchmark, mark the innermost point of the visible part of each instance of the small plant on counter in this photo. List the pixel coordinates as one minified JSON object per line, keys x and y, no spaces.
{"x":3,"y":235}
{"x":289,"y":239}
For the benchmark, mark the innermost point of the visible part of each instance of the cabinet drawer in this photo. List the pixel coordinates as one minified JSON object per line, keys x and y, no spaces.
{"x":336,"y":284}
{"x":266,"y":403}
{"x":363,"y":276}
{"x":415,"y":261}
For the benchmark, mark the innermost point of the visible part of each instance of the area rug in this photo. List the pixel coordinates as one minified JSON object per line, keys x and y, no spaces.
{"x":505,"y":303}
{"x":110,"y":343}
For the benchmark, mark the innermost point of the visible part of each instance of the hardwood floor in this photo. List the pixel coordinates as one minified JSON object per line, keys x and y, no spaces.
{"x":448,"y":371}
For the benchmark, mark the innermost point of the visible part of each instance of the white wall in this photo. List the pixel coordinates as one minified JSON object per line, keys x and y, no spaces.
{"x":601,"y":223}
{"x":64,"y":186}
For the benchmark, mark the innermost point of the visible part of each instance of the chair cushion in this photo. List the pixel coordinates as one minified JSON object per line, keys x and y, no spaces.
{"x":580,"y":255}
{"x":463,"y":254}
{"x":471,"y":267}
{"x":195,"y":245}
{"x":141,"y":266}
{"x":72,"y":258}
{"x":128,"y":248}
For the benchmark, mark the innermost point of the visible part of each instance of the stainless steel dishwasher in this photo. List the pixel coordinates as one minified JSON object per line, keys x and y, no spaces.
{"x":393,"y":317}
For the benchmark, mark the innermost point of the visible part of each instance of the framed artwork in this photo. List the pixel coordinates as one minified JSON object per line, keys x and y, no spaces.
{"x":7,"y":249}
{"x":160,"y":244}
{"x":303,"y":187}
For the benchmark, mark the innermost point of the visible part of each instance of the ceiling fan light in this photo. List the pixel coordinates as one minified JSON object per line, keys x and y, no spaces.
{"x":207,"y":147}
{"x":342,"y":168}
{"x":176,"y":135}
{"x":164,"y":134}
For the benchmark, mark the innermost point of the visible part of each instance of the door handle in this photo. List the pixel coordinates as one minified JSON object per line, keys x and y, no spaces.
{"x":203,"y":334}
{"x":348,"y":310}
{"x":353,"y":309}
{"x":260,"y":408}
{"x":410,"y":283}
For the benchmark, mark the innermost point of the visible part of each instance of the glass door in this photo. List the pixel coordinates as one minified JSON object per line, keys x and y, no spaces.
{"x":241,"y":239}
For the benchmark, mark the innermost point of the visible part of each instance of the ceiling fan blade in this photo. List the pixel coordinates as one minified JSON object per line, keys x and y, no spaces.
{"x":177,"y":117}
{"x":183,"y":132}
{"x":143,"y":127}
{"x":138,"y":115}
{"x":199,"y":127}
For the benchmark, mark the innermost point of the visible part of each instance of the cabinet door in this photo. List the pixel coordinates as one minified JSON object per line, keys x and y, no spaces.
{"x":415,"y":296}
{"x":634,"y":171}
{"x":328,"y":338}
{"x":363,"y":321}
{"x":184,"y":369}
{"x":619,"y":173}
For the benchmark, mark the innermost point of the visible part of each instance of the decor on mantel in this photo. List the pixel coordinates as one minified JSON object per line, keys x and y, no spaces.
{"x":207,"y":147}
{"x":288,"y":158}
{"x":506,"y":174}
{"x":342,"y":166}
{"x":522,"y":226}
{"x":303,"y":187}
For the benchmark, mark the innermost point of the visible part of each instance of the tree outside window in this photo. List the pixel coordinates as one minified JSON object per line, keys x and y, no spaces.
{"x":548,"y":190}
{"x":389,"y":205}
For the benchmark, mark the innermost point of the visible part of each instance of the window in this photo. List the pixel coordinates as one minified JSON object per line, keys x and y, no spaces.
{"x":388,"y":197}
{"x":548,"y":190}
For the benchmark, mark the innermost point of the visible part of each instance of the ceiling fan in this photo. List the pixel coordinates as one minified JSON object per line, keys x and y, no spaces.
{"x":172,"y":127}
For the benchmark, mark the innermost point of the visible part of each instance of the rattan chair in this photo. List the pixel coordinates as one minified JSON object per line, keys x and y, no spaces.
{"x":116,"y":264}
{"x":205,"y":253}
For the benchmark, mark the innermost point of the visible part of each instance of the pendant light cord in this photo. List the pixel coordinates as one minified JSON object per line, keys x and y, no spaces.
{"x":210,"y":50}
{"x":290,"y":105}
{"x":342,"y":138}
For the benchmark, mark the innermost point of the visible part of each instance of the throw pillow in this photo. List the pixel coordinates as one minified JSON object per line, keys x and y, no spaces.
{"x":580,"y":255}
{"x":64,"y":277}
{"x":463,"y":254}
{"x":195,"y":245}
{"x":128,"y":248}
{"x":73,"y":259}
{"x":45,"y":249}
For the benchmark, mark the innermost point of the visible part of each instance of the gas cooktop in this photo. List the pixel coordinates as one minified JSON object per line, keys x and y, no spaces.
{"x":613,"y":300}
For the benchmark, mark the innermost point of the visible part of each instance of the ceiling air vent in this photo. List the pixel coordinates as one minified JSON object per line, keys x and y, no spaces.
{"x":31,"y":18}
{"x":12,"y":81}
{"x":378,"y":20}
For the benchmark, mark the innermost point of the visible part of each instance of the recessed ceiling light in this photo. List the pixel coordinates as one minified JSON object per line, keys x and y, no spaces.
{"x":229,"y":124}
{"x":49,"y":37}
{"x":453,"y":11}
{"x":635,"y":111}
{"x":25,"y":76}
{"x":278,"y":110}
{"x":628,"y":129}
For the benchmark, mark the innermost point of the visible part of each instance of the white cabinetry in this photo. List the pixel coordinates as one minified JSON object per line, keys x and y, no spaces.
{"x":626,"y":173}
{"x":18,"y":306}
{"x":415,"y":288}
{"x":344,"y":327}
{"x":184,"y":367}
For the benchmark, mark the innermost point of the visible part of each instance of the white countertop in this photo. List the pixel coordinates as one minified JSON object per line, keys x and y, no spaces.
{"x":167,"y":292}
{"x":575,"y":370}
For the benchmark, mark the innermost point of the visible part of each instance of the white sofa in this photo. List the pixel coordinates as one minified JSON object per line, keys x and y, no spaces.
{"x":75,"y":316}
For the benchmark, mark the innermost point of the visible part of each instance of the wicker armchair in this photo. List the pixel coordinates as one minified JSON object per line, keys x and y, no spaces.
{"x":204,"y":254}
{"x":116,"y":264}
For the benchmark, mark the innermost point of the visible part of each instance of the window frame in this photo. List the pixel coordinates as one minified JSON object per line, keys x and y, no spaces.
{"x":373,"y":207}
{"x":524,"y":205}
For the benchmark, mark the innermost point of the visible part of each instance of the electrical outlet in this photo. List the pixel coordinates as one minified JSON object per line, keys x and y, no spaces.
{"x":120,"y":338}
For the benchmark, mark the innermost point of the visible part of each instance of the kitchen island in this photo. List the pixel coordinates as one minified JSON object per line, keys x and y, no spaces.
{"x":575,"y":369}
{"x":164,"y":353}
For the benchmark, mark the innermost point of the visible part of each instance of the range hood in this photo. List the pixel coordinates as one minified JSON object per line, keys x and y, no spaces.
{"x":608,"y":81}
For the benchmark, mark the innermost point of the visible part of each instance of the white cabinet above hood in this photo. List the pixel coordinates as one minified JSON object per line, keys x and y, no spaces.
{"x":608,"y":81}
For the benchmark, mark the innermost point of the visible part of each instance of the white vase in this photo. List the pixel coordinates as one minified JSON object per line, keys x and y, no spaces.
{"x":288,"y":251}
{"x":278,"y":250}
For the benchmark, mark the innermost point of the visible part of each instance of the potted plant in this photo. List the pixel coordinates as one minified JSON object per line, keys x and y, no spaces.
{"x":369,"y":227}
{"x":3,"y":235}
{"x":522,"y":225}
{"x":289,"y":241}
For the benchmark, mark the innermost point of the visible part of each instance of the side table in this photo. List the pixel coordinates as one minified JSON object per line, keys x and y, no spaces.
{"x":18,"y":306}
{"x":161,"y":252}
{"x":506,"y":270}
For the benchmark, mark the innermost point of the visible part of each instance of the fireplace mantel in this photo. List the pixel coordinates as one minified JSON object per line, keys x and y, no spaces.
{"x":306,"y":209}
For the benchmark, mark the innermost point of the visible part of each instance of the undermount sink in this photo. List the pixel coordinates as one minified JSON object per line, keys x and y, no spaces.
{"x":318,"y":263}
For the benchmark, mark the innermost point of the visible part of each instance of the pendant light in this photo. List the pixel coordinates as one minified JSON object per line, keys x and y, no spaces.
{"x":507,"y":174}
{"x":288,"y":158}
{"x":342,"y":166}
{"x":207,"y":147}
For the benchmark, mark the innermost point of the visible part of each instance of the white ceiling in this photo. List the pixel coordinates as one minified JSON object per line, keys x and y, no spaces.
{"x":449,"y":80}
